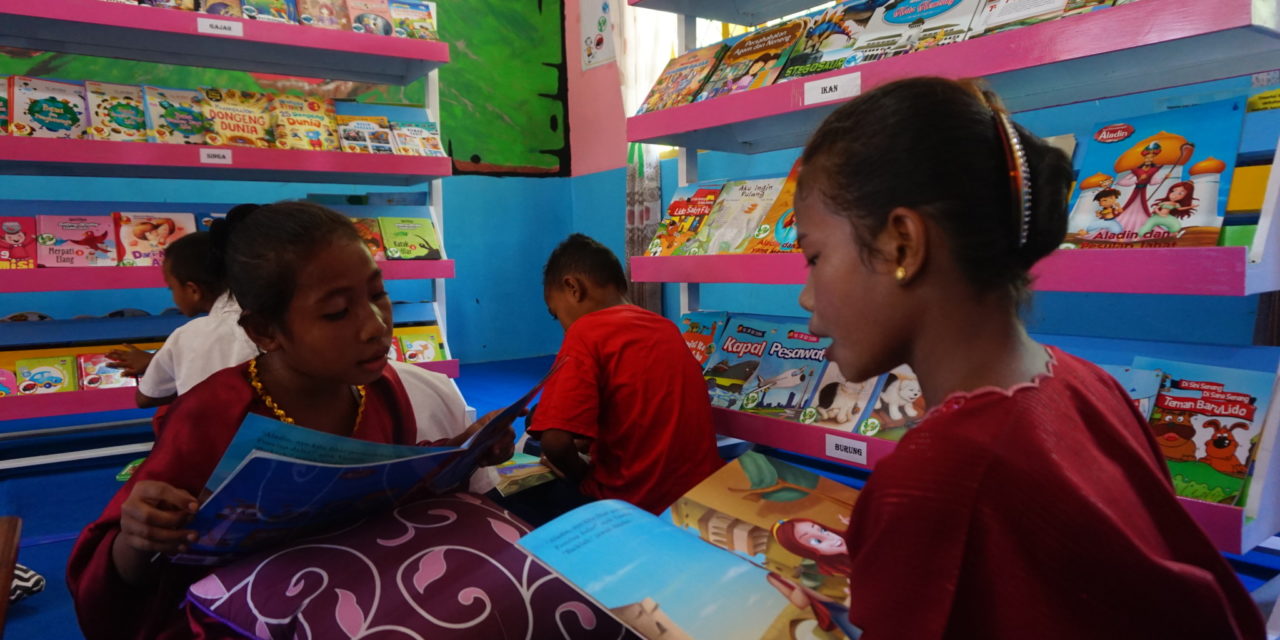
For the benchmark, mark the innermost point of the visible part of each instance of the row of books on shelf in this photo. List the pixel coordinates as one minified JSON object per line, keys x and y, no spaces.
{"x":41,"y":108}
{"x":85,"y":371}
{"x":404,"y":18}
{"x":127,"y":239}
{"x":1208,"y":421}
{"x":850,"y":33}
{"x":1154,"y":180}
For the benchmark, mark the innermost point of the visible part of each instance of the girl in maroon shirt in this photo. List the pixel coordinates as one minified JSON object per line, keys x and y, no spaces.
{"x":1031,"y":502}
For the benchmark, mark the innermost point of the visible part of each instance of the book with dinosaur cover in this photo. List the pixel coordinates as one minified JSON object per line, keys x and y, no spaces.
{"x":688,"y":211}
{"x":828,"y":42}
{"x":683,"y":78}
{"x":701,"y":331}
{"x":914,"y":25}
{"x":75,"y":241}
{"x":734,"y":218}
{"x":46,"y":108}
{"x":175,"y":116}
{"x":143,"y":236}
{"x":1157,"y":180}
{"x":116,"y":112}
{"x":410,"y":238}
{"x":17,"y":242}
{"x":737,"y":357}
{"x":777,"y":230}
{"x":788,"y":373}
{"x":754,"y":61}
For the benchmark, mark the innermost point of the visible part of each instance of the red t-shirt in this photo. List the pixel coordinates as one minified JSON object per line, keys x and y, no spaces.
{"x":627,"y":379}
{"x":1045,"y":511}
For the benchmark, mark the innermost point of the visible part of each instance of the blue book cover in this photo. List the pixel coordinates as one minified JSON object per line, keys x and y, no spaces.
{"x":788,"y":373}
{"x":737,"y":357}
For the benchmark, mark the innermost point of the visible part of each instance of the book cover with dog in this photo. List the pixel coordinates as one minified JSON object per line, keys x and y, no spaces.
{"x":837,"y":403}
{"x":898,"y":407}
{"x":1208,"y":421}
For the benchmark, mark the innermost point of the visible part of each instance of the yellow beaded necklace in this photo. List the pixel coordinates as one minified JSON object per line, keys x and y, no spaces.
{"x":256,"y":383}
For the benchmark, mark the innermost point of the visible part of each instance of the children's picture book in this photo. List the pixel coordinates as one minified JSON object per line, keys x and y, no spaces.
{"x":4,"y":105}
{"x":1207,"y":421}
{"x":424,"y":344}
{"x":182,"y":5}
{"x":1142,"y":385}
{"x":777,"y":230}
{"x":371,"y":233}
{"x":370,"y":16}
{"x":688,"y":211}
{"x":144,"y":236}
{"x":116,"y":112}
{"x":228,"y":8}
{"x":326,"y":14}
{"x":521,"y":472}
{"x":175,"y":116}
{"x":418,"y":139}
{"x":735,"y":217}
{"x":46,"y":375}
{"x":837,"y":403}
{"x":914,"y":25}
{"x":683,"y":78}
{"x":8,"y":383}
{"x":737,"y":358}
{"x":365,"y":134}
{"x":701,"y":331}
{"x":237,"y":118}
{"x":304,"y":123}
{"x":17,"y":242}
{"x":788,"y":374}
{"x":754,"y":61}
{"x":828,"y":42}
{"x":47,"y":108}
{"x":75,"y":241}
{"x":1002,"y":15}
{"x":1157,"y":180}
{"x":899,"y":406}
{"x":410,"y":238}
{"x":95,"y":372}
{"x":413,"y":19}
{"x":754,"y":551}
{"x":285,"y":11}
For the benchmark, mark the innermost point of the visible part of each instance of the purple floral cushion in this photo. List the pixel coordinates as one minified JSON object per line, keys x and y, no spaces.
{"x":441,"y":568}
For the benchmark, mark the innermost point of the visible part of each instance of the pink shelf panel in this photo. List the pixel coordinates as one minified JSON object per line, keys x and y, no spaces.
{"x":1212,"y":271}
{"x":93,"y":27}
{"x":447,"y":367}
{"x":96,"y":278}
{"x":1042,"y":65}
{"x":41,"y":156}
{"x":45,"y":405}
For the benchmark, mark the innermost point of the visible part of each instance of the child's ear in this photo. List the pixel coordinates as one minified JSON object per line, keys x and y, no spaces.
{"x":193,"y":291}
{"x":261,"y":332}
{"x":576,"y":287}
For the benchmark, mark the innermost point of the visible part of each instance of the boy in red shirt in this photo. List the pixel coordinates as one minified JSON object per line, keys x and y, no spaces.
{"x":626,"y":391}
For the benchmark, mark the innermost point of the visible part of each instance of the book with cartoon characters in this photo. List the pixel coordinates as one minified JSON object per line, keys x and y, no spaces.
{"x":365,"y":134}
{"x":424,"y":344}
{"x":116,"y":112}
{"x":829,"y":40}
{"x":737,"y":357}
{"x":95,"y":372}
{"x":75,"y":241}
{"x":46,"y":375}
{"x":285,"y":11}
{"x":836,"y":403}
{"x":777,"y":230}
{"x":410,"y":238}
{"x":371,"y":233}
{"x":418,"y":139}
{"x":688,"y":211}
{"x":701,"y":332}
{"x":683,"y":78}
{"x":46,"y":108}
{"x":326,"y":14}
{"x":754,"y":61}
{"x":8,"y":383}
{"x":734,"y":218}
{"x":4,"y":105}
{"x":237,"y":118}
{"x":413,"y":19}
{"x":914,"y":25}
{"x":229,"y":8}
{"x":789,"y":372}
{"x":370,"y":16}
{"x":1157,"y":180}
{"x":17,"y":242}
{"x":144,"y":236}
{"x":175,"y":116}
{"x":1208,"y":421}
{"x":304,"y":123}
{"x":1142,"y":385}
{"x":898,"y":406}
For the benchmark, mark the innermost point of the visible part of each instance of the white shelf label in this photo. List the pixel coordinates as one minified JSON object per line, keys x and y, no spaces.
{"x":215,"y":156}
{"x":220,"y":27}
{"x":854,"y":451}
{"x":837,"y":88}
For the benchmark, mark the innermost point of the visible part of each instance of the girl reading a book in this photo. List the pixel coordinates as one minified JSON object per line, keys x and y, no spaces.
{"x":313,"y":301}
{"x":1031,"y":500}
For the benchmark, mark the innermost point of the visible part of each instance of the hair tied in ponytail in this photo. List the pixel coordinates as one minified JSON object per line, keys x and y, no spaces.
{"x":220,"y":236}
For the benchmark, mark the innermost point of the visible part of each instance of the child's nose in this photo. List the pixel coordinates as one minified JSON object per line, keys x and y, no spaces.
{"x":375,"y":323}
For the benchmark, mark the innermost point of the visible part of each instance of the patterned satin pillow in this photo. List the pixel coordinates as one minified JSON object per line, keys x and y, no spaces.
{"x":442,"y":568}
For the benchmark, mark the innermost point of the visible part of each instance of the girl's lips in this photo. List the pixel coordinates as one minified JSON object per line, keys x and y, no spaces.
{"x":375,"y":363}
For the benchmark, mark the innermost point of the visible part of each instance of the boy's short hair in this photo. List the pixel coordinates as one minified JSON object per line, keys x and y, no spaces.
{"x":582,"y":255}
{"x":188,"y":259}
{"x":1106,"y":193}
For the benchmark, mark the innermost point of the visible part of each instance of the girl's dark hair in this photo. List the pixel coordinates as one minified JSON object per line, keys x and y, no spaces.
{"x":261,"y":248}
{"x":188,"y":260}
{"x":582,"y":255}
{"x":933,"y":145}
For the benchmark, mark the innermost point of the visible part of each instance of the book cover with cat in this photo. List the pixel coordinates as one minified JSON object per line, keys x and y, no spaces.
{"x":688,"y":211}
{"x":898,"y":406}
{"x":1156,"y":180}
{"x":410,"y":238}
{"x":425,"y":344}
{"x":837,"y":403}
{"x":788,"y":373}
{"x":683,"y":78}
{"x":735,"y":216}
{"x":777,"y":230}
{"x":17,"y":242}
{"x":701,"y":332}
{"x":754,"y":61}
{"x":75,"y":241}
{"x":1206,"y":421}
{"x":144,"y":236}
{"x":737,"y":358}
{"x":914,"y":25}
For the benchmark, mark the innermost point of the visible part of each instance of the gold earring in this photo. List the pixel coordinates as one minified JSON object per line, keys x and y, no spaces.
{"x":900,"y":273}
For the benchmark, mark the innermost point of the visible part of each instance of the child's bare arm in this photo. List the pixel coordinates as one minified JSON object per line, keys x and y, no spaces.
{"x":561,"y":453}
{"x":145,"y":401}
{"x":130,"y":359}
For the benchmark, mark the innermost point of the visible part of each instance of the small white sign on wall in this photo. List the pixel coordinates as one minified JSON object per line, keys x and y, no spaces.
{"x":597,"y":33}
{"x":846,"y":449}
{"x":215,"y":156}
{"x":216,"y":27}
{"x":842,"y":87}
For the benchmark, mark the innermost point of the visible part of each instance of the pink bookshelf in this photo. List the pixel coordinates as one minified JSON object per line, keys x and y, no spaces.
{"x":47,"y":405}
{"x":95,"y":278}
{"x":1209,"y":271}
{"x":747,"y":12}
{"x":1052,"y":63}
{"x":41,"y":156}
{"x":447,"y":367}
{"x":93,"y":27}
{"x":1225,"y":524}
